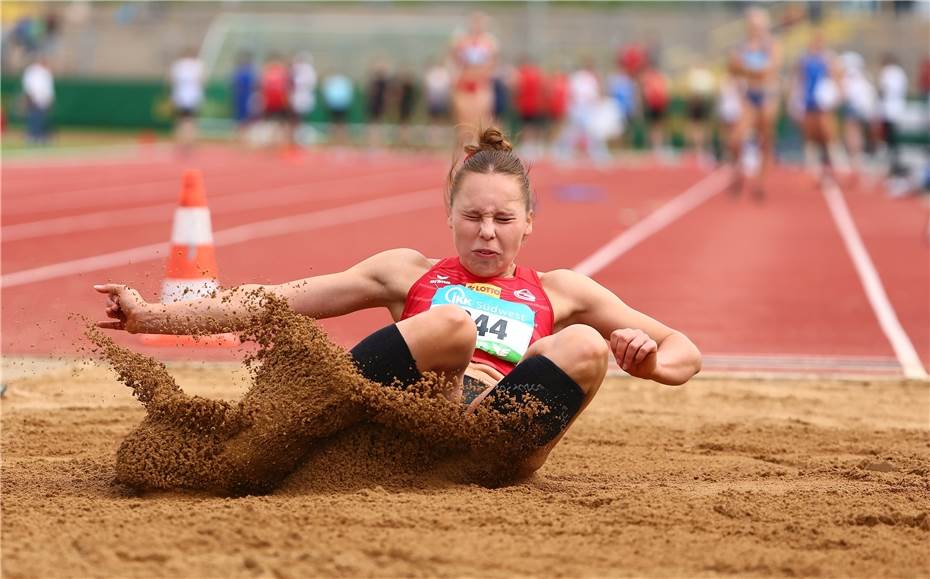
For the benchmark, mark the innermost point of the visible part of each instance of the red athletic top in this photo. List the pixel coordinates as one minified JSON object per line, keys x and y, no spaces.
{"x":524,"y":288}
{"x":531,"y":91}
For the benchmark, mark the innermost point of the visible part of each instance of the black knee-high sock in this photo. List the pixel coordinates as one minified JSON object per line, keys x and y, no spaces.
{"x":384,"y":357}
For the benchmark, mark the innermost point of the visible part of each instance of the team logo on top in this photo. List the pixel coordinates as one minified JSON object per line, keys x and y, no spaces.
{"x":525,"y":295}
{"x":440,"y":280}
{"x":485,"y":288}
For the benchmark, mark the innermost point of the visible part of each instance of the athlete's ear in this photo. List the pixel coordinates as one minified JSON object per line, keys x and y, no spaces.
{"x":529,"y":225}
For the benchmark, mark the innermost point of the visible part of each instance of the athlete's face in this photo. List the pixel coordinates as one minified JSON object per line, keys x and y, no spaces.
{"x":489,"y":223}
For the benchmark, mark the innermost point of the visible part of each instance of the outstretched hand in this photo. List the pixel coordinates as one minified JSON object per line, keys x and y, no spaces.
{"x":635,"y":352}
{"x":125,"y":307}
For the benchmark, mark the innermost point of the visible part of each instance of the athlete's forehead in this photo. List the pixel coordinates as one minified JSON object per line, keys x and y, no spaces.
{"x":489,"y":192}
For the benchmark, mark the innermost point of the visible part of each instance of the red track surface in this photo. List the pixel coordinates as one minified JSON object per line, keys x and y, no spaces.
{"x":759,"y":286}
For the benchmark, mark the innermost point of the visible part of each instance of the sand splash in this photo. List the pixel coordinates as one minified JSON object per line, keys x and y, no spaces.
{"x":307,"y":408}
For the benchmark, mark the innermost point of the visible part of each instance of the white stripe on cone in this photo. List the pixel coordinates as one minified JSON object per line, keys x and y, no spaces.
{"x":192,"y":226}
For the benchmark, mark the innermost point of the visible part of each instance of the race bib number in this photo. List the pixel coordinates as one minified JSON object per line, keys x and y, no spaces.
{"x":504,"y":328}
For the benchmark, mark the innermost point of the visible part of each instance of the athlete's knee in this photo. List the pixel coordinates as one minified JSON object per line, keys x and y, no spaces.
{"x":453,"y":326}
{"x":580,"y":351}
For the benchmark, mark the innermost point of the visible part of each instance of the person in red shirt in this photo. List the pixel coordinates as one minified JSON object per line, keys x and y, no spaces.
{"x":275,"y":88}
{"x":557,"y":104}
{"x":478,"y":318}
{"x":530,"y":101}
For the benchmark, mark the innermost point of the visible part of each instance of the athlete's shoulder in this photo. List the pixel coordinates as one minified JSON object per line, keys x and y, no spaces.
{"x":565,"y":281}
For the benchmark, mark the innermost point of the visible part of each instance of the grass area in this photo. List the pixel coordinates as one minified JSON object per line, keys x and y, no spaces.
{"x":14,"y":141}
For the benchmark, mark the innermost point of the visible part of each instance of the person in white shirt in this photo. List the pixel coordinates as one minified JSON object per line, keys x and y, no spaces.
{"x":39,"y":96}
{"x":892,"y":87}
{"x":437,"y":84}
{"x":584,"y":95}
{"x":859,"y":108}
{"x":187,"y":81}
{"x":303,"y":91}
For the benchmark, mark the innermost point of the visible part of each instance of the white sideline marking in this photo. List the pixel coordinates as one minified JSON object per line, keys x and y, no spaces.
{"x":872,"y":283}
{"x":160,"y":212}
{"x":269,"y":228}
{"x":654,"y":222}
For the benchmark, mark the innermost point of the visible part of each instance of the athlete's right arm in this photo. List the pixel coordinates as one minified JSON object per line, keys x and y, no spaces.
{"x":379,"y":281}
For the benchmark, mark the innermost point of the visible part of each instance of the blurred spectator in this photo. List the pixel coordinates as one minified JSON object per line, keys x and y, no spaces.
{"x":729,"y":113}
{"x":275,"y":96}
{"x":633,"y":59}
{"x":892,"y":87}
{"x":406,"y":88}
{"x":557,"y":104}
{"x":700,"y":85}
{"x":303,"y":91}
{"x":622,"y":88}
{"x":584,"y":93}
{"x":656,"y":98}
{"x":437,"y":83}
{"x":338,"y":94}
{"x":244,"y":81}
{"x":859,"y":103}
{"x":530,"y":101}
{"x":379,"y":87}
{"x":39,"y":96}
{"x":924,"y":82}
{"x":187,"y":80}
{"x":501,"y":88}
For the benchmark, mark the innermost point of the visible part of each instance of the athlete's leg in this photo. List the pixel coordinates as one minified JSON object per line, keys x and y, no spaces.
{"x":564,"y":371}
{"x":766,"y":116}
{"x":440,"y":340}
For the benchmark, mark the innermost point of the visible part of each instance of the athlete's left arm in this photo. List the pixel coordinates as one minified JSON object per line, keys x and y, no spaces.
{"x":643,"y":346}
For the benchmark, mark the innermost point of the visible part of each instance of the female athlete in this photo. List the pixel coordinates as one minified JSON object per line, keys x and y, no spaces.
{"x":474,"y":55}
{"x":478,"y":318}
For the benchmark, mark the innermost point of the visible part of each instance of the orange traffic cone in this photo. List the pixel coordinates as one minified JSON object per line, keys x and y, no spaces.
{"x":191,"y":270}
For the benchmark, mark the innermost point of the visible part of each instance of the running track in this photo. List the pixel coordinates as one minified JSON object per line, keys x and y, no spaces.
{"x":778,"y":286}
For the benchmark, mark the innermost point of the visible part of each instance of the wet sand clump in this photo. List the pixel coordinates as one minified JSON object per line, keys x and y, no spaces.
{"x":307,"y":404}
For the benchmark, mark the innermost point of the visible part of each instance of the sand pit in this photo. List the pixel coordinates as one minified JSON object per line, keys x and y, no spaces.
{"x":717,"y":478}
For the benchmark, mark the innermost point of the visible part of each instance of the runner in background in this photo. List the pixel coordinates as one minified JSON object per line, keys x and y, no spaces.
{"x":729,"y":113}
{"x":584,"y":95}
{"x":186,"y":78}
{"x":756,"y":64}
{"x":530,"y":101}
{"x":474,"y":54}
{"x":817,"y":83}
{"x":622,"y":88}
{"x":338,"y":94}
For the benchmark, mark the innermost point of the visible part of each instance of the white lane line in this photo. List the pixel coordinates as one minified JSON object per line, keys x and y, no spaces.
{"x":160,"y":212}
{"x":654,"y":222}
{"x":872,"y":283}
{"x":269,"y":228}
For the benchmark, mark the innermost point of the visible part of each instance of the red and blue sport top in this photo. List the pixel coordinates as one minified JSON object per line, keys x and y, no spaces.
{"x":510,"y":313}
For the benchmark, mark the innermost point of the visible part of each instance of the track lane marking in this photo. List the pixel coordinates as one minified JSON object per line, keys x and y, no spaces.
{"x":656,"y":221}
{"x":221,"y":204}
{"x":872,"y":284}
{"x":351,"y":213}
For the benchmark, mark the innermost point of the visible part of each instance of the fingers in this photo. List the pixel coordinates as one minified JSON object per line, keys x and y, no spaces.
{"x":631,"y":347}
{"x":112,"y":325}
{"x":110,"y":288}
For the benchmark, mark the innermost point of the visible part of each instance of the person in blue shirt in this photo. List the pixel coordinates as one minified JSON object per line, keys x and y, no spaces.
{"x":818,"y":96}
{"x":243,"y":84}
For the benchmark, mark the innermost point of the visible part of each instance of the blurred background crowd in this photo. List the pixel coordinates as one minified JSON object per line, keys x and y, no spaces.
{"x":841,"y":86}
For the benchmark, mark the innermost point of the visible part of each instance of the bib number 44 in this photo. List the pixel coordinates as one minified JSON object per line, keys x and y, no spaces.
{"x":498,"y":328}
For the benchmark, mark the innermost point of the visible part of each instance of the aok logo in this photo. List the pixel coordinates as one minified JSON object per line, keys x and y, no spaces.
{"x":455,"y":295}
